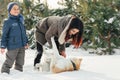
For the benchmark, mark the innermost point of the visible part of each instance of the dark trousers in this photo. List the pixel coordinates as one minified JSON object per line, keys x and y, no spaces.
{"x":40,"y":51}
{"x":17,"y":56}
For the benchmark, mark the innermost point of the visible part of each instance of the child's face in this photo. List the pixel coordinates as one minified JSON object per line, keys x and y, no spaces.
{"x":15,"y":10}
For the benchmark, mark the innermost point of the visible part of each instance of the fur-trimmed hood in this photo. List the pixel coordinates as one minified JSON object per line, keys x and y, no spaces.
{"x":52,"y":26}
{"x":63,"y":34}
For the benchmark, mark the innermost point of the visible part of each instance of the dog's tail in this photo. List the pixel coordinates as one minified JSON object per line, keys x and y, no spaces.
{"x":54,"y":46}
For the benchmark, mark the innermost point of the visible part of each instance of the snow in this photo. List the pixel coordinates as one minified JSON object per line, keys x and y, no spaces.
{"x":110,"y":20}
{"x":93,"y":67}
{"x":92,"y":19}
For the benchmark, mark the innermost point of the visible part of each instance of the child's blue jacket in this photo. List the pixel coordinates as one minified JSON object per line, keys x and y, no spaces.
{"x":13,"y":34}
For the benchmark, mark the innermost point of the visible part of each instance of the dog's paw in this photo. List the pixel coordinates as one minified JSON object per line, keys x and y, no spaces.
{"x":37,"y":67}
{"x":80,"y":59}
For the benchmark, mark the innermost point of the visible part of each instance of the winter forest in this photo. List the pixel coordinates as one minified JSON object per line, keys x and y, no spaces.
{"x":101,"y":38}
{"x":101,"y":20}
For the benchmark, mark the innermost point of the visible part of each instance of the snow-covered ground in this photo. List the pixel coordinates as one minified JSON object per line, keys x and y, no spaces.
{"x":93,"y":67}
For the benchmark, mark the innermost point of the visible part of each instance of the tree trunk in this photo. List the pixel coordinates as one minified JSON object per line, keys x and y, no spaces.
{"x":109,"y":43}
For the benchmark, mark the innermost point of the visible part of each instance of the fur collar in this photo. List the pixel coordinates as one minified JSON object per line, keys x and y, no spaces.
{"x":61,"y":39}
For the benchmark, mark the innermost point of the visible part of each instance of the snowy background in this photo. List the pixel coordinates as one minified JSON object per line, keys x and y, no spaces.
{"x":93,"y":67}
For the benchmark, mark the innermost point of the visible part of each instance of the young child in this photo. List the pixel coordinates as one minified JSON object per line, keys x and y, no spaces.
{"x":14,"y":38}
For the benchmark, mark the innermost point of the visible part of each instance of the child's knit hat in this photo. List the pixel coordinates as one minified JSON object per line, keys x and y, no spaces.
{"x":10,"y":5}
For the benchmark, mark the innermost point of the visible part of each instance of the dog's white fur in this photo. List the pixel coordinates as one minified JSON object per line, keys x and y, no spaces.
{"x":60,"y":64}
{"x":55,"y":63}
{"x":44,"y":64}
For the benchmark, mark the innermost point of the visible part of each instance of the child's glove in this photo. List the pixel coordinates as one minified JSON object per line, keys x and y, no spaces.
{"x":2,"y":50}
{"x":27,"y":46}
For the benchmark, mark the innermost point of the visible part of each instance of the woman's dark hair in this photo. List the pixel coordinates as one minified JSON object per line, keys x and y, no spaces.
{"x":77,"y":38}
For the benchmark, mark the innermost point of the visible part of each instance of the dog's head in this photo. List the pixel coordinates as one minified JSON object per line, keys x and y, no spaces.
{"x":77,"y":62}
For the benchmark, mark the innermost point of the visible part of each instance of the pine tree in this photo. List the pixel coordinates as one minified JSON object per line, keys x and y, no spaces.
{"x":104,"y":24}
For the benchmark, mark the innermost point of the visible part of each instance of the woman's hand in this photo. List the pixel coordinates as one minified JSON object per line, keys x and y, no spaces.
{"x":63,"y":54}
{"x":2,"y":50}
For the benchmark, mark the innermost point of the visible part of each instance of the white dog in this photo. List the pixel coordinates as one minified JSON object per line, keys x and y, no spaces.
{"x":52,"y":61}
{"x":60,"y":64}
{"x":44,"y":64}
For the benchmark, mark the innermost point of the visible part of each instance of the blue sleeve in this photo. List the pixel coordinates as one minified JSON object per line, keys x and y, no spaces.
{"x":5,"y":32}
{"x":26,"y":38}
{"x":26,"y":35}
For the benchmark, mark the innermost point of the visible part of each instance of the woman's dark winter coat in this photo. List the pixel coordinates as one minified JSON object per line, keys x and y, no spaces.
{"x":52,"y":26}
